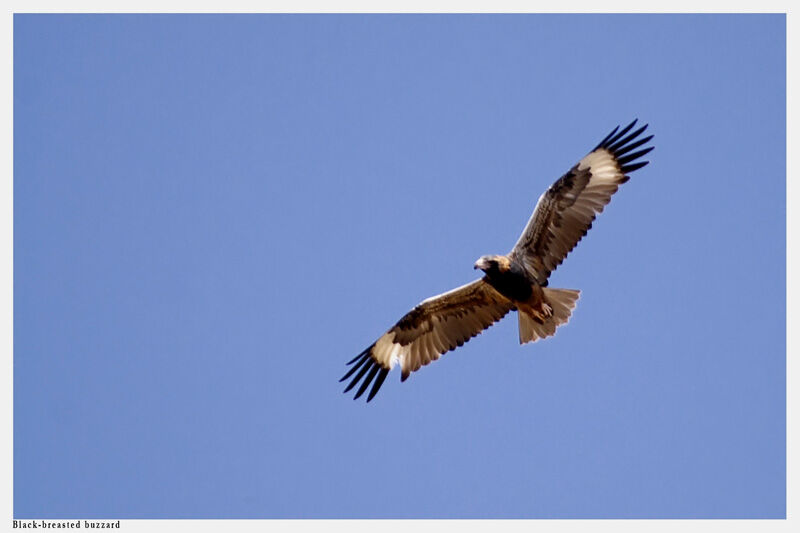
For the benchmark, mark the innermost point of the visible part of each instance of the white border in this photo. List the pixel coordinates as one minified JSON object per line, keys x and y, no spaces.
{"x":500,"y":6}
{"x":399,"y":6}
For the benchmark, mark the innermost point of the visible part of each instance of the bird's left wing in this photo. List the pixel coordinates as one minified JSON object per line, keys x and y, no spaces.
{"x":434,"y":327}
{"x":565,"y":211}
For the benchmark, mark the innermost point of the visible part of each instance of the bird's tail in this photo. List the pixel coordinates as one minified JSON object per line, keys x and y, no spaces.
{"x":562,"y":301}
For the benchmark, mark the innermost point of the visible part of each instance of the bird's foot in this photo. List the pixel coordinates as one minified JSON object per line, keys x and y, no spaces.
{"x":542,"y":313}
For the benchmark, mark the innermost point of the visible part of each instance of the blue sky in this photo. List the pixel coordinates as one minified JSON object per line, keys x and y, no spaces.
{"x":213,"y":214}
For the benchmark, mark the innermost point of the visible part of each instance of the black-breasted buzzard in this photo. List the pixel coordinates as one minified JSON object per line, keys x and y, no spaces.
{"x":513,"y":282}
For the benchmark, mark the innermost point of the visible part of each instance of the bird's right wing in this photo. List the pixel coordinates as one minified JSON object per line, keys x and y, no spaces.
{"x":565,"y":211}
{"x":432,"y":328}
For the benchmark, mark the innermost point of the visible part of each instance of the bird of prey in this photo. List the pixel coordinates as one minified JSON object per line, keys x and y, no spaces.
{"x":513,"y":282}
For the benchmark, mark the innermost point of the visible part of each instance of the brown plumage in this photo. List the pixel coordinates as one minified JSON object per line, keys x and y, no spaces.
{"x":513,"y":282}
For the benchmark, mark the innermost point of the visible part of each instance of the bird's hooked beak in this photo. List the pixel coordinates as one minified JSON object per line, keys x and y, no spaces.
{"x":482,"y":263}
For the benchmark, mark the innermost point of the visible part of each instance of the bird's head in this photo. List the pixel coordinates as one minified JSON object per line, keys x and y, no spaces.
{"x":493,"y":263}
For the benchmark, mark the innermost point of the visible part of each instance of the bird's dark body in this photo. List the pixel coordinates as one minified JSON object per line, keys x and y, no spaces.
{"x":511,"y":283}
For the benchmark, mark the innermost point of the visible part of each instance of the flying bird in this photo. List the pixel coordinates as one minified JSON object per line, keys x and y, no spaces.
{"x":513,"y":282}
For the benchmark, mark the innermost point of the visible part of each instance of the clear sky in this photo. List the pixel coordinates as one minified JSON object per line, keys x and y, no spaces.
{"x":213,"y":214}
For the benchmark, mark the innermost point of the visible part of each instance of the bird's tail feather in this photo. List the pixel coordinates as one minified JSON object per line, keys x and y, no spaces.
{"x":562,"y":301}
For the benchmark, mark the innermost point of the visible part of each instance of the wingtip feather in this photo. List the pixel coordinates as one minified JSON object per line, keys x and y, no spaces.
{"x":622,"y":161}
{"x":356,"y":358}
{"x":367,"y":381}
{"x":635,"y":166}
{"x":619,"y":135}
{"x":358,"y":377}
{"x":607,"y":137}
{"x":364,"y":358}
{"x":378,"y":382}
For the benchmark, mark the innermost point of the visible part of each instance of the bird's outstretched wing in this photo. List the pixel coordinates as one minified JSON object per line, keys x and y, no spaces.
{"x":432,"y":328}
{"x":565,"y":212}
